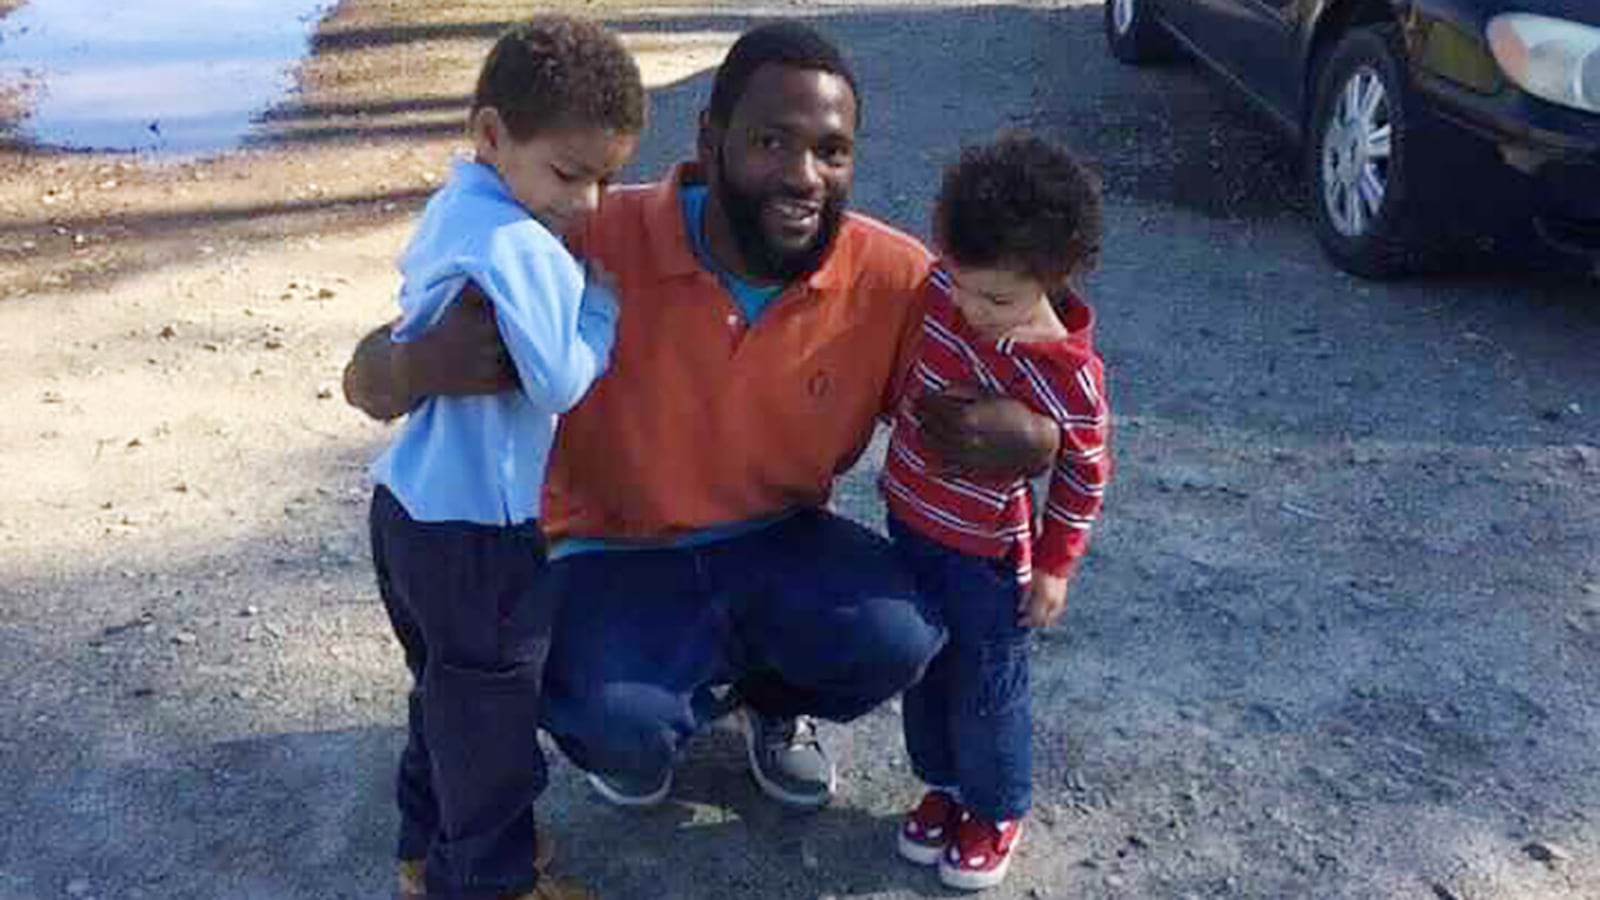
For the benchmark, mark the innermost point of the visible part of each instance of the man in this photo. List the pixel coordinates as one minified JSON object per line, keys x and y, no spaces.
{"x":765,"y":331}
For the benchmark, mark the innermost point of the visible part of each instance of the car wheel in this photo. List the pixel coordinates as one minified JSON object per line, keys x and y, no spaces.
{"x":1366,"y":157}
{"x":1132,"y":33}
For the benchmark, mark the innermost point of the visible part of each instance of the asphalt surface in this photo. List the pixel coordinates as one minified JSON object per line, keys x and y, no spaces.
{"x":1337,"y":637}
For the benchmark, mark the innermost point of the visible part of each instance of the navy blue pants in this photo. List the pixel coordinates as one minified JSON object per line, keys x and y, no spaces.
{"x":969,"y":722}
{"x":809,"y":616}
{"x":466,"y":604}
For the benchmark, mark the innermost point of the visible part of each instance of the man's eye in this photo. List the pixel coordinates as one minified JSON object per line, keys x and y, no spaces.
{"x":835,"y":155}
{"x":564,"y":175}
{"x":769,"y":142}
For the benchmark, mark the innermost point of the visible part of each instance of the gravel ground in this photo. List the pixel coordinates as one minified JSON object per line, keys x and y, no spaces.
{"x":1337,"y":638}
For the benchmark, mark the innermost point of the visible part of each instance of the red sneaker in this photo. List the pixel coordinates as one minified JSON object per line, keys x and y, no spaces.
{"x":980,"y":853}
{"x":928,"y":828}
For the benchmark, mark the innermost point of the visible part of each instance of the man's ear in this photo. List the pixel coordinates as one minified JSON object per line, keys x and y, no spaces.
{"x":487,"y":130}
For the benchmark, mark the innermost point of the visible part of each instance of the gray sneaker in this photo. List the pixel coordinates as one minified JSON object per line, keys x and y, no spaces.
{"x":788,"y":761}
{"x":631,"y":790}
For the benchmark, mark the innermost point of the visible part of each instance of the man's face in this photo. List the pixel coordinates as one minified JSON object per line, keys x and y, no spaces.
{"x":782,"y":168}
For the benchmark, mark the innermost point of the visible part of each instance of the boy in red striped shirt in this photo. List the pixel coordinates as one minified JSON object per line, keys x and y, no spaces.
{"x":1015,"y":221}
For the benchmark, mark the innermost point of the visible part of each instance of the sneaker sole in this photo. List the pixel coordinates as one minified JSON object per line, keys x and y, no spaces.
{"x":918,"y":854}
{"x":777,"y":791}
{"x":631,"y":801}
{"x":977,"y":881}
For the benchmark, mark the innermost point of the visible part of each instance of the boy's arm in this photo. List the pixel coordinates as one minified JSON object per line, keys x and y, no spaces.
{"x":1079,"y":477}
{"x":460,"y":355}
{"x":556,"y":324}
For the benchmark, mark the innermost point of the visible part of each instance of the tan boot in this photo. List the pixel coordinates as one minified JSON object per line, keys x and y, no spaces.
{"x":411,"y":882}
{"x":553,"y":888}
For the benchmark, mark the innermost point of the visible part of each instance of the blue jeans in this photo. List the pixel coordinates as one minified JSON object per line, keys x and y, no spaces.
{"x":969,"y":722}
{"x":464,"y":603}
{"x":808,"y":616}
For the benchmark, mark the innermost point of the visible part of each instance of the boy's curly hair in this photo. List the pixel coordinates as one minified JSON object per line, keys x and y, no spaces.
{"x":557,"y":72}
{"x":1019,"y":203}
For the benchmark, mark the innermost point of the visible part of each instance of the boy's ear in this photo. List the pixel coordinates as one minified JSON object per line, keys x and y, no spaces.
{"x":487,"y":131}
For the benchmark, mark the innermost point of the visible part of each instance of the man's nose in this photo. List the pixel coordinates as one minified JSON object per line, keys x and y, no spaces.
{"x":803,"y":172}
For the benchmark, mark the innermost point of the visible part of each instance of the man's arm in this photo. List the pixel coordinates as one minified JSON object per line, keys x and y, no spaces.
{"x":461,"y":355}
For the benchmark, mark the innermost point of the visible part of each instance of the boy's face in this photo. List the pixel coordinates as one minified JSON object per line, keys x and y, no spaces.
{"x":556,"y":175}
{"x":996,"y":302}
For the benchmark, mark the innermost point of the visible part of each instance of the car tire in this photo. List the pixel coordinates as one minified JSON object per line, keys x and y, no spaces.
{"x":1133,"y":35}
{"x":1369,"y":152}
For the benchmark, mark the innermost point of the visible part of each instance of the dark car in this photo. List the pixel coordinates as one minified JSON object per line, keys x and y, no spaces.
{"x":1424,"y":123}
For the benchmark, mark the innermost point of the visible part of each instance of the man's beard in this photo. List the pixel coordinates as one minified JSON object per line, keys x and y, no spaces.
{"x":765,"y":261}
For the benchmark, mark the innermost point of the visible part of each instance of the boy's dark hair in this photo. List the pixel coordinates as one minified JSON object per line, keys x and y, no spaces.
{"x":1019,"y":203}
{"x":779,"y":43}
{"x":557,"y":72}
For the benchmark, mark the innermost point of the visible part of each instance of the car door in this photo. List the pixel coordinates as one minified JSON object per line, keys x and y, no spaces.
{"x":1254,"y":41}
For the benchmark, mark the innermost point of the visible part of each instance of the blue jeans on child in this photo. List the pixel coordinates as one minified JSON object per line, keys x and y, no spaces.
{"x":466,"y":605}
{"x":969,"y":722}
{"x":808,"y":616}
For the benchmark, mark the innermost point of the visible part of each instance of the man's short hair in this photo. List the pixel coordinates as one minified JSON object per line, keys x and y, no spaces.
{"x":556,"y":72}
{"x":779,"y":43}
{"x":1019,"y":203}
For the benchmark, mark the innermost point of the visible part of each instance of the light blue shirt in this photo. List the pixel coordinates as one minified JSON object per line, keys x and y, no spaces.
{"x":482,"y":459}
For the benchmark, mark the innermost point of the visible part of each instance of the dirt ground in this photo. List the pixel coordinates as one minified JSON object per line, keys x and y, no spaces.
{"x":1338,"y":637}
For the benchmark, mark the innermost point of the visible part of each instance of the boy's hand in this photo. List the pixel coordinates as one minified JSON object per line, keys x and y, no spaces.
{"x":597,"y":274}
{"x":600,"y":295}
{"x":1045,"y":601}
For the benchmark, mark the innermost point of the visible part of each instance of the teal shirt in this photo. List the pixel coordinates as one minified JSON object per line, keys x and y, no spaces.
{"x":752,"y":300}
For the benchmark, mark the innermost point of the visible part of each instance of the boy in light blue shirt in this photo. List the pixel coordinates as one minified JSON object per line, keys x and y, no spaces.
{"x":460,"y":558}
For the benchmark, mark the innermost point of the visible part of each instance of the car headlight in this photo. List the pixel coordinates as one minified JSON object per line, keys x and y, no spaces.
{"x":1552,"y":59}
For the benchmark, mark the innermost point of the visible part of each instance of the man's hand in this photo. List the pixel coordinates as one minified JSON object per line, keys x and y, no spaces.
{"x":1045,"y":601}
{"x":460,"y":355}
{"x":980,"y":434}
{"x":369,"y":384}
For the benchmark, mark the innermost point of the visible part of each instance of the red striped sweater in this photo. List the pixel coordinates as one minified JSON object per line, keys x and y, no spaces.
{"x":1063,"y":380}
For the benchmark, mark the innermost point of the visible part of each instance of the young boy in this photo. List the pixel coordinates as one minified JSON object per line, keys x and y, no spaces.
{"x":1015,"y":221}
{"x":558,"y":110}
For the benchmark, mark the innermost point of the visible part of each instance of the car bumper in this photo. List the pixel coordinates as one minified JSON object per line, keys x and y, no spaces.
{"x":1551,"y":152}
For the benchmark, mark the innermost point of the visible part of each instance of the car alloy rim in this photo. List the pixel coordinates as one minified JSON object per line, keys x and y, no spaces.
{"x":1357,"y":146}
{"x":1122,"y":15}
